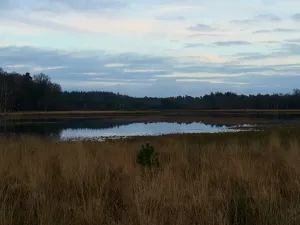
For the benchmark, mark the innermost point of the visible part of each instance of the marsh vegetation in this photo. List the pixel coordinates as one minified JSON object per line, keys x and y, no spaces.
{"x":233,"y":179}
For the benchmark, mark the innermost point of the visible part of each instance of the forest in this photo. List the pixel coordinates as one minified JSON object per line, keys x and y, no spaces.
{"x":24,"y":92}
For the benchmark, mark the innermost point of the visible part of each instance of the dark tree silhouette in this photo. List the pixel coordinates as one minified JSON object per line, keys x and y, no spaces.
{"x":37,"y":93}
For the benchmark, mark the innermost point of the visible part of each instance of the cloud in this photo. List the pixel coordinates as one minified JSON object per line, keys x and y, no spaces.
{"x":14,"y":66}
{"x":82,"y":65}
{"x":270,"y":42}
{"x":193,"y":45}
{"x":201,"y":27}
{"x":296,"y":17}
{"x":252,"y":56}
{"x":245,"y":21}
{"x":190,"y":75}
{"x":90,"y":74}
{"x":78,"y":23}
{"x":295,"y":40}
{"x":30,"y":24}
{"x":116,"y":65}
{"x":292,"y":49}
{"x":109,"y":83}
{"x":268,"y":17}
{"x":196,"y":58}
{"x":132,"y":42}
{"x":286,"y":50}
{"x":212,"y":81}
{"x":259,"y":18}
{"x":49,"y":68}
{"x":225,"y":68}
{"x":287,"y":54}
{"x":124,"y":80}
{"x":232,"y":43}
{"x":141,"y":71}
{"x":154,"y":75}
{"x":277,"y":30}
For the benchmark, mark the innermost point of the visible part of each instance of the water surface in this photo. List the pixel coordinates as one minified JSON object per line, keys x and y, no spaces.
{"x":62,"y":129}
{"x":97,"y":128}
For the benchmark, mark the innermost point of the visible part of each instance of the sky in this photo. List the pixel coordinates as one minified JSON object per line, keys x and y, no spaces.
{"x":155,"y":47}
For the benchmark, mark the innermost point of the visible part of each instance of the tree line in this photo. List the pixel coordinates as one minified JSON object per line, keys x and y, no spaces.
{"x":23,"y":92}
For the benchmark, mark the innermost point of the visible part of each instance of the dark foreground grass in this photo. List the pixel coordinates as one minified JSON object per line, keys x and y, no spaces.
{"x":227,"y":179}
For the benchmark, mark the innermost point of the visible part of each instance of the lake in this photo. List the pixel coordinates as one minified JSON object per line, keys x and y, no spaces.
{"x":80,"y":129}
{"x":99,"y":129}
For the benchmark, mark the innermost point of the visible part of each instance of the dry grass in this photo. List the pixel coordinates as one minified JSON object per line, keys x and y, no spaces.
{"x":228,"y":182}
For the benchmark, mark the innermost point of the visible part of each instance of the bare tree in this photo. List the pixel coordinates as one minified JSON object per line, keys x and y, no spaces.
{"x":296,"y":92}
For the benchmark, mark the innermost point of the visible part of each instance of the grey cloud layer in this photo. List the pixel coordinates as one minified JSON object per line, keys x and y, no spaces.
{"x":231,"y":43}
{"x":74,"y":70}
{"x":78,"y":64}
{"x":286,"y":50}
{"x":277,"y":30}
{"x":296,"y":40}
{"x":193,"y":45}
{"x":218,"y":44}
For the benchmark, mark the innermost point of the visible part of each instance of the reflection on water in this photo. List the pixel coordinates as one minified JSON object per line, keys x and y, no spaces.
{"x":94,"y":128}
{"x":143,"y":129}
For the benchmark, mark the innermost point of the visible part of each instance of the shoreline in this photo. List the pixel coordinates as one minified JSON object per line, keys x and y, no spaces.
{"x":168,"y":113}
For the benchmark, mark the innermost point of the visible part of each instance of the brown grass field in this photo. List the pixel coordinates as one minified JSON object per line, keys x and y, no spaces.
{"x":246,"y":178}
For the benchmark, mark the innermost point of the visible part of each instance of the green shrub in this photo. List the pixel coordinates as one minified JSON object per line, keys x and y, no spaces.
{"x":147,"y":156}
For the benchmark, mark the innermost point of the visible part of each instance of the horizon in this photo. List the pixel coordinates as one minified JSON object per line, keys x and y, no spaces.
{"x":155,"y":48}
